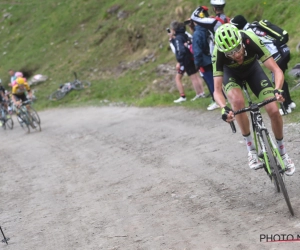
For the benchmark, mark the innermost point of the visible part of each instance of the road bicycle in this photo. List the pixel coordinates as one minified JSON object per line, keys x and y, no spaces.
{"x":5,"y":119}
{"x":297,"y":84}
{"x":28,"y":117}
{"x":67,"y":87}
{"x":265,"y":147}
{"x":295,"y":73}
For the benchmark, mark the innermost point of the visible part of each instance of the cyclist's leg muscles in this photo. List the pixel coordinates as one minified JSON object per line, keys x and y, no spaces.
{"x":232,"y":88}
{"x":262,"y":87}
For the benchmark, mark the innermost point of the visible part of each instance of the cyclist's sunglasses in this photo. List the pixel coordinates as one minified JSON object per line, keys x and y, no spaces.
{"x":235,"y":50}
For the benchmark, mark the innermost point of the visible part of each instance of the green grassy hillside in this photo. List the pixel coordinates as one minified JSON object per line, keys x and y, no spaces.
{"x":121,"y":47}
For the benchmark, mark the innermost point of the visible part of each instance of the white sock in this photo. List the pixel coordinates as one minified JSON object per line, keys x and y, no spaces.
{"x":249,"y":142}
{"x":281,"y":147}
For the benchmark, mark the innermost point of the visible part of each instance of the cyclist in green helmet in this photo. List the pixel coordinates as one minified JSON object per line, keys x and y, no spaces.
{"x":235,"y":60}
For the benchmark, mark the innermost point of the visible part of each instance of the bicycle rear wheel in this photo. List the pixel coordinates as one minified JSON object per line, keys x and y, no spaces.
{"x":275,"y":169}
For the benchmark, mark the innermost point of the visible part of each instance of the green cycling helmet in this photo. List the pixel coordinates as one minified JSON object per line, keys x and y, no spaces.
{"x":227,"y":37}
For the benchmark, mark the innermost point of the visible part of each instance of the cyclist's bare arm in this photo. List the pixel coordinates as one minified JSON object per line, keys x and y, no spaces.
{"x":278,"y":74}
{"x":29,"y":94}
{"x":218,"y":93}
{"x":219,"y":97}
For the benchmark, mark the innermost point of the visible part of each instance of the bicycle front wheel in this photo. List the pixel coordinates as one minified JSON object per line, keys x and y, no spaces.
{"x":35,"y":120}
{"x":35,"y":115}
{"x":275,"y":170}
{"x":24,"y":122}
{"x":2,"y":122}
{"x":57,"y":95}
{"x":9,"y":123}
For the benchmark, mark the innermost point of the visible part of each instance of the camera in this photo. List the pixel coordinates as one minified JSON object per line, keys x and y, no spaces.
{"x":187,"y":22}
{"x":168,"y":30}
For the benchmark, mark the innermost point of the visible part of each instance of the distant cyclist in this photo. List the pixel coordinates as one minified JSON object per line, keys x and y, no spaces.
{"x":3,"y":96}
{"x":19,"y":91}
{"x":235,"y":60}
{"x":2,"y":93}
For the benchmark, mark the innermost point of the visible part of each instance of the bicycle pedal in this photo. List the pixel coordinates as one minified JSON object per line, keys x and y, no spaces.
{"x":259,"y":167}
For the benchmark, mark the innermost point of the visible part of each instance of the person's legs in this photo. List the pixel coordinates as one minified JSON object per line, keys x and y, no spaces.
{"x":236,"y":98}
{"x":197,"y":82}
{"x":276,"y":120}
{"x":232,"y":88}
{"x":277,"y":127}
{"x":208,"y":77}
{"x":179,"y":85}
{"x":264,"y":93}
{"x":178,"y":80}
{"x":282,"y":58}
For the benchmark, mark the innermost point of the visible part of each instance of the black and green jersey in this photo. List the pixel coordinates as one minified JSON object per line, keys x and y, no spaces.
{"x":254,"y":50}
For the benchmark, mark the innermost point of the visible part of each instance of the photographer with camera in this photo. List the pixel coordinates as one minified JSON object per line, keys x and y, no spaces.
{"x":179,"y":43}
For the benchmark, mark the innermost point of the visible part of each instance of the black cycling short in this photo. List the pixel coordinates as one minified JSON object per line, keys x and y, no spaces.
{"x":256,"y":78}
{"x":190,"y":68}
{"x":21,"y":97}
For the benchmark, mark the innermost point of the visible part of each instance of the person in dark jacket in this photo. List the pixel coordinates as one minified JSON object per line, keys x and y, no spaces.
{"x":202,"y":60}
{"x":185,"y":58}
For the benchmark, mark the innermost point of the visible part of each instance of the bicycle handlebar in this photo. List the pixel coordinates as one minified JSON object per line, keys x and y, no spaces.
{"x":27,"y":102}
{"x":253,"y":106}
{"x":233,"y":128}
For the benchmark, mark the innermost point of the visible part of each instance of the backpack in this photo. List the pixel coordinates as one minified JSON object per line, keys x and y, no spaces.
{"x":276,"y":34}
{"x":218,"y":18}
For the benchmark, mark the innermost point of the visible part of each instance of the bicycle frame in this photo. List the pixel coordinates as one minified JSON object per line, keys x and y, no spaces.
{"x":258,"y":126}
{"x":273,"y":163}
{"x":23,"y":112}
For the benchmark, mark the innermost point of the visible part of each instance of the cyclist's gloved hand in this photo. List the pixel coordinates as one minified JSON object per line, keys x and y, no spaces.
{"x":225,"y":112}
{"x":279,"y":94}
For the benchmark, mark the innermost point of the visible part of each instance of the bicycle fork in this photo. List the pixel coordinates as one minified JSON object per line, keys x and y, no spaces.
{"x":258,"y":126}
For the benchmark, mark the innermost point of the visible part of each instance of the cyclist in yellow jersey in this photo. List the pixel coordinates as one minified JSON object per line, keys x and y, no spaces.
{"x":19,"y":91}
{"x":235,"y":60}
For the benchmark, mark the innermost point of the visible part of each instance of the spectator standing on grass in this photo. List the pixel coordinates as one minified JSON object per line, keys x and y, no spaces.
{"x":280,"y":54}
{"x":179,"y":72}
{"x":184,"y":57}
{"x":202,"y":55}
{"x":218,"y":7}
{"x":12,"y":77}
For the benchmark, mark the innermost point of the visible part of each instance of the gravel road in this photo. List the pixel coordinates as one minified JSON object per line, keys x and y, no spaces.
{"x":139,"y":178}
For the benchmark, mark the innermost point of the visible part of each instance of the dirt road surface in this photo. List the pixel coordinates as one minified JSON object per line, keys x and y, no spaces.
{"x":140,"y":178}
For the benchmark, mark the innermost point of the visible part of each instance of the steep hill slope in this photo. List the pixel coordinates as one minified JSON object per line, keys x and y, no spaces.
{"x":118,"y":46}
